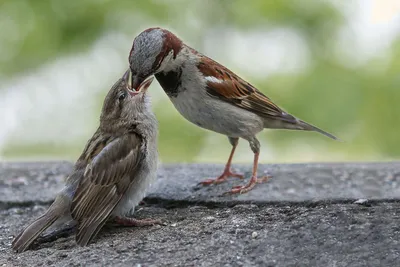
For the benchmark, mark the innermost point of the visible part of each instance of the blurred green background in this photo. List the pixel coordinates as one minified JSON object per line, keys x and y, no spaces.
{"x":335,"y":64}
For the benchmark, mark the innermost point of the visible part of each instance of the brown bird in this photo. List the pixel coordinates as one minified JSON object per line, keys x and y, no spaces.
{"x":113,"y":173}
{"x":209,"y":95}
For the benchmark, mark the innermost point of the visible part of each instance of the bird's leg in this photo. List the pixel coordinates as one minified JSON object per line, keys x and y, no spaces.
{"x":255,"y":146}
{"x":227,"y":171}
{"x":126,"y":221}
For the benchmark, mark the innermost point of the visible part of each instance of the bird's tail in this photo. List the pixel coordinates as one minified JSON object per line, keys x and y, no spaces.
{"x":287,"y":121}
{"x":30,"y":233}
{"x":308,"y":127}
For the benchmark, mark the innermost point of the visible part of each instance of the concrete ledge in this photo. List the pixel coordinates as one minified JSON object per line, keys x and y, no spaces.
{"x":306,"y":215}
{"x":40,"y":182}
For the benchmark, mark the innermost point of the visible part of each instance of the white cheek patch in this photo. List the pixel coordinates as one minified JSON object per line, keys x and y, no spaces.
{"x":165,"y":64}
{"x":213,"y":79}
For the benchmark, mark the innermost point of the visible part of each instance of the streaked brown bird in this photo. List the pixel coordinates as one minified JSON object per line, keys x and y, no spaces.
{"x":113,"y":173}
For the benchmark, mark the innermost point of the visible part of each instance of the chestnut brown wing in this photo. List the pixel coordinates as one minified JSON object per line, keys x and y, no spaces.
{"x":227,"y":86}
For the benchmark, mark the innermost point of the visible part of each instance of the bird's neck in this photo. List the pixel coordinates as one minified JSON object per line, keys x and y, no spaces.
{"x":147,"y":125}
{"x":174,"y":62}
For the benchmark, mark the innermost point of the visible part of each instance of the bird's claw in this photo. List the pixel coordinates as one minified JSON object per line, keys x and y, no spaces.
{"x":125,"y":221}
{"x":222,"y":178}
{"x":241,"y":189}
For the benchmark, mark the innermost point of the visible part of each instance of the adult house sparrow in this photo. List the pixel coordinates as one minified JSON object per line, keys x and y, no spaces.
{"x":113,"y":173}
{"x":209,"y":95}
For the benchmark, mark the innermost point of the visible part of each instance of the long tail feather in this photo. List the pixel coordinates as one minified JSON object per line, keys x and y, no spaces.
{"x":58,"y":209}
{"x":308,"y":127}
{"x":30,"y":233}
{"x":288,"y":121}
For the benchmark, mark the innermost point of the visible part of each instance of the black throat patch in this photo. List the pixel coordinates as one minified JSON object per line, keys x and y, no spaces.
{"x":170,"y":82}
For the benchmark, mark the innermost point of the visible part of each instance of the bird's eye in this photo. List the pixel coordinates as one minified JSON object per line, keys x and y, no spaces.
{"x":122,"y":96}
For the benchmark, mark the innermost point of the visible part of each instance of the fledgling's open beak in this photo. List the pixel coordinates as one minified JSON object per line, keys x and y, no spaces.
{"x":127,"y":78}
{"x":142,"y":87}
{"x":133,"y":81}
{"x":145,"y":84}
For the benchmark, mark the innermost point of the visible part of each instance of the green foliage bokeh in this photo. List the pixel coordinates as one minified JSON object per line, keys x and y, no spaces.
{"x":359,"y":104}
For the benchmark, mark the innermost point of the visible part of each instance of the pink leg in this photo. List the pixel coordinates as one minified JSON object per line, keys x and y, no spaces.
{"x":253,"y":181}
{"x":125,"y":221}
{"x":227,"y":171}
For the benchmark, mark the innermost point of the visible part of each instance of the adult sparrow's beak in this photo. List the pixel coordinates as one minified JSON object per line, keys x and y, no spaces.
{"x":136,"y":82}
{"x":145,"y":84}
{"x":142,"y":87}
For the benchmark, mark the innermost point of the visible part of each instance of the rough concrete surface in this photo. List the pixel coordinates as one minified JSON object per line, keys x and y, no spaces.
{"x":306,"y":215}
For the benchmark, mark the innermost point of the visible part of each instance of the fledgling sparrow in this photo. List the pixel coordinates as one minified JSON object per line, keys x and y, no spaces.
{"x":209,"y":95}
{"x":113,"y":173}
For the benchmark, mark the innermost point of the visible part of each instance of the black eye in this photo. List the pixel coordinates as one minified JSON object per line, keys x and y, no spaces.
{"x":122,"y":96}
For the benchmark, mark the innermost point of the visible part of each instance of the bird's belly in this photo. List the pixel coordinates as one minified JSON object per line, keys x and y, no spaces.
{"x":216,"y":115}
{"x":138,"y":189}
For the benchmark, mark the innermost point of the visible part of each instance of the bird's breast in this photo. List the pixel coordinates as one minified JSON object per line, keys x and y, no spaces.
{"x":195,"y":105}
{"x":170,"y":81}
{"x":144,"y":178}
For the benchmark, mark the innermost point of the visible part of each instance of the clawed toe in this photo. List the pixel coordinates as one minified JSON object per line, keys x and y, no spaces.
{"x":222,"y":178}
{"x":241,"y":189}
{"x":125,"y":221}
{"x":263,"y":179}
{"x":236,"y":175}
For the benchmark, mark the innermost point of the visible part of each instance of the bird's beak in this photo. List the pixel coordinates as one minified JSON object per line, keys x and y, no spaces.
{"x":134,"y":89}
{"x":135,"y":82}
{"x":128,"y":78}
{"x":145,"y":84}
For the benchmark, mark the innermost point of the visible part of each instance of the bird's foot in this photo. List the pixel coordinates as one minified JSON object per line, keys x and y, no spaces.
{"x":68,"y":229}
{"x":222,"y":178}
{"x":241,"y":189}
{"x":125,"y":221}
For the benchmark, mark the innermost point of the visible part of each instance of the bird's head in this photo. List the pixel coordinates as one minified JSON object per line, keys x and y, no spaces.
{"x":151,"y":52}
{"x":123,"y":105}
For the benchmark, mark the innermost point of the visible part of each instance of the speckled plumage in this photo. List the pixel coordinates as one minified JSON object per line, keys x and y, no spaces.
{"x":113,"y":173}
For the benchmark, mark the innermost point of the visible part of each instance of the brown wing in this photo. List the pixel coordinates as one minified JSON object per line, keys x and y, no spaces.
{"x":227,"y":86}
{"x":106,"y":179}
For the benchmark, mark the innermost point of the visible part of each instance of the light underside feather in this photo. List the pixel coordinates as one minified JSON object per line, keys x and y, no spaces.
{"x":213,"y":79}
